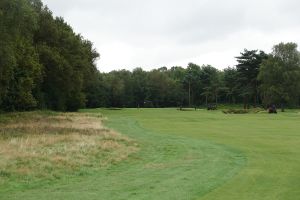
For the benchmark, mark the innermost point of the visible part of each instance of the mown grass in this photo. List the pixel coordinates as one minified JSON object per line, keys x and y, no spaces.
{"x":269,"y":143}
{"x":189,"y":155}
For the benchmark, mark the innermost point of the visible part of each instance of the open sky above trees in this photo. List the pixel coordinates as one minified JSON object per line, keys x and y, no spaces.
{"x":152,"y":34}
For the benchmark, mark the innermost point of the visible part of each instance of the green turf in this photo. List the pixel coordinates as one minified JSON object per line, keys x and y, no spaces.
{"x":190,"y":155}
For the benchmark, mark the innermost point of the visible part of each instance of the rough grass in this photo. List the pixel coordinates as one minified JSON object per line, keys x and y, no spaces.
{"x":47,"y":145}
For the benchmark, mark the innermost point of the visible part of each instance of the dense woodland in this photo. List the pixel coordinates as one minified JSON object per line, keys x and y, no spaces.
{"x":44,"y":64}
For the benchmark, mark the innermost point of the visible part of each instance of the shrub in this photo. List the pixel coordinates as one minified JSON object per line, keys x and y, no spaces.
{"x":236,"y":111}
{"x":243,"y":111}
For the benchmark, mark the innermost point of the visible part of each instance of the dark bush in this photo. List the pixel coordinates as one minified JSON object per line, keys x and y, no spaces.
{"x":272,"y":109}
{"x":212,"y":107}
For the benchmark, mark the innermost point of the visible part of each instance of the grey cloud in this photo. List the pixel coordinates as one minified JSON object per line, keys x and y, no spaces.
{"x":150,"y":32}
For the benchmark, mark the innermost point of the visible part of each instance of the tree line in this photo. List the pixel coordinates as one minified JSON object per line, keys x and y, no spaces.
{"x":44,"y":64}
{"x":259,"y":79}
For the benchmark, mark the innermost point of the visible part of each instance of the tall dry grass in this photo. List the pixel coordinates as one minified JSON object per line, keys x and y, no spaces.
{"x":50,"y":145}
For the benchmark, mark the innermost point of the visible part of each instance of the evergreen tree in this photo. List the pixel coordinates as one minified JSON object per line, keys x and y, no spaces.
{"x":248,"y":68}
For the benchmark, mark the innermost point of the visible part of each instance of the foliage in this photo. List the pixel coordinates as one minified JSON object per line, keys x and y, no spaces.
{"x":280,"y":75}
{"x":248,"y":68}
{"x":44,"y":64}
{"x":236,"y":111}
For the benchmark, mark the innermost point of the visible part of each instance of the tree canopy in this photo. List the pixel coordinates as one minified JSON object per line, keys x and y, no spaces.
{"x":44,"y":64}
{"x":280,"y":75}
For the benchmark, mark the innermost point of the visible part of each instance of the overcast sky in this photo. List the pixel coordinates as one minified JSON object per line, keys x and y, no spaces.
{"x":155,"y":33}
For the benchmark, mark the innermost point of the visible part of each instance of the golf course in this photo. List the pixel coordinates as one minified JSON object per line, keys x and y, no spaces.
{"x":180,"y":155}
{"x":149,"y":100}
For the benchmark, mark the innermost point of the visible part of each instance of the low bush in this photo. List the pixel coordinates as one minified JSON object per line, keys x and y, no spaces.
{"x":236,"y":111}
{"x":243,"y":111}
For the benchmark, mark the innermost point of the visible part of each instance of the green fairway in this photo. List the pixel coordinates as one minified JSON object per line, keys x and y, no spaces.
{"x":188,"y":155}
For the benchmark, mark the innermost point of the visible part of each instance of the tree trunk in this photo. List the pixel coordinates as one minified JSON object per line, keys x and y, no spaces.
{"x":282,"y":107}
{"x":255,"y":101}
{"x":246,"y":103}
{"x":255,"y":95}
{"x":189,"y":94}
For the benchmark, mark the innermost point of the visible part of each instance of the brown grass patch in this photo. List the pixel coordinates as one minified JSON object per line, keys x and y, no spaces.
{"x":51,"y":145}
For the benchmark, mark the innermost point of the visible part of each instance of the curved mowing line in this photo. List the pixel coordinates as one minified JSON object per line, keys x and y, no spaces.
{"x":201,"y":165}
{"x":166,"y":168}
